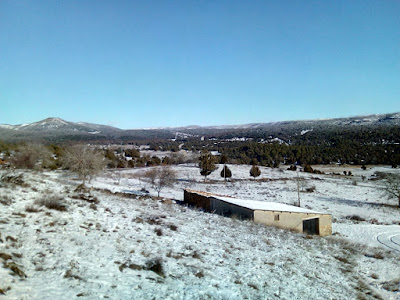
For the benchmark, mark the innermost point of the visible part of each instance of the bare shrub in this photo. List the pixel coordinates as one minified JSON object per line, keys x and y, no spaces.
{"x":17,"y":179}
{"x":31,"y":156}
{"x":31,"y":208}
{"x":52,"y":202}
{"x":161,"y":177}
{"x":301,"y":183}
{"x":392,"y":186}
{"x":84,"y":162}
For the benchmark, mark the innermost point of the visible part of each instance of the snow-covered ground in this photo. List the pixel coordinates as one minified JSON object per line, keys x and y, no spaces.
{"x":141,"y":247}
{"x":348,"y":198}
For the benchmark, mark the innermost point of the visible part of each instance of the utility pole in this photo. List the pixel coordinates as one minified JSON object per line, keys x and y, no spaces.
{"x":298,"y":190}
{"x":224,"y":173}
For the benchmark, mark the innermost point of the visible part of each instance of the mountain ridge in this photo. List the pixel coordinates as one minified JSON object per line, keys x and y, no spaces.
{"x":55,"y":129}
{"x":345,"y":120}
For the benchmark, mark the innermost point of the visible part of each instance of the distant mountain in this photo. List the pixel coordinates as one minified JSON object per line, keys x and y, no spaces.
{"x":371,"y":128}
{"x":379,"y":119}
{"x":55,"y":130}
{"x":62,"y":126}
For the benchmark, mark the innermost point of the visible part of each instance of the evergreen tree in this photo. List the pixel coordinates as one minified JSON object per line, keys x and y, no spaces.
{"x":226,"y":172}
{"x":223,"y":159}
{"x":255,"y":171}
{"x":206,"y":164}
{"x":308,"y":169}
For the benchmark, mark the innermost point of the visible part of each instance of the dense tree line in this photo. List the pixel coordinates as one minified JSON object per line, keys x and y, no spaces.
{"x":346,"y":145}
{"x":346,"y":152}
{"x":273,"y":154}
{"x":40,"y":156}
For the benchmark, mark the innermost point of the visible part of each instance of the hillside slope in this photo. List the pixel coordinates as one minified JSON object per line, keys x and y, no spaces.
{"x":143,"y":248}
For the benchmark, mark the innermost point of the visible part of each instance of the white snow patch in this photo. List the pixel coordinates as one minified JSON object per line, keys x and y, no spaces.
{"x":303,"y":132}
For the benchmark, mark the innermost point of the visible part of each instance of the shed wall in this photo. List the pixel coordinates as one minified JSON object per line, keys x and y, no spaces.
{"x":228,"y":209}
{"x":197,"y":200}
{"x":293,"y":221}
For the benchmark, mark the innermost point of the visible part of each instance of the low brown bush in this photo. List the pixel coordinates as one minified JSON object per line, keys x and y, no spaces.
{"x":52,"y":202}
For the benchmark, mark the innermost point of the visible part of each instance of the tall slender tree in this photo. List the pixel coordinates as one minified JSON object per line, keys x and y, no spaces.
{"x":206,"y":164}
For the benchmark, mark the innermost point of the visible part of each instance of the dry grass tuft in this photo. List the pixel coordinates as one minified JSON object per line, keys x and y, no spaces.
{"x":5,"y":256}
{"x":16,"y":270}
{"x":69,"y":274}
{"x":5,"y":200}
{"x":392,"y":285}
{"x":14,"y":179}
{"x":52,"y":202}
{"x":3,"y":291}
{"x":31,"y":209}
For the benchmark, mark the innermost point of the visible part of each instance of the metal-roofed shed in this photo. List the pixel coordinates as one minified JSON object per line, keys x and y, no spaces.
{"x":268,"y":213}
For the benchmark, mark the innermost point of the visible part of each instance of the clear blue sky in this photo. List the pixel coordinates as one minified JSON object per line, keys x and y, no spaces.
{"x":135,"y":64}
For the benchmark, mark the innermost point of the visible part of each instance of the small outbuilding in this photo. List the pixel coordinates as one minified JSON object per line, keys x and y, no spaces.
{"x":268,"y":213}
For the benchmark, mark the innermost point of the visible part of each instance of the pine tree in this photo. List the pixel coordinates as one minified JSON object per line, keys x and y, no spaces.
{"x":223,"y":159}
{"x":206,"y":164}
{"x":226,"y":172}
{"x":255,"y":171}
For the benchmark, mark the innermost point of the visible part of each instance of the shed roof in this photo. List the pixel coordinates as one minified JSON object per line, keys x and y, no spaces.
{"x":259,"y":205}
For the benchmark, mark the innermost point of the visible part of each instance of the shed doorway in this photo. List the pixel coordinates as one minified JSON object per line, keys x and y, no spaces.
{"x":311,"y":226}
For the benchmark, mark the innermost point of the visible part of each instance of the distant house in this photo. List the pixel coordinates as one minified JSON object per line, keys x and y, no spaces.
{"x":268,"y":213}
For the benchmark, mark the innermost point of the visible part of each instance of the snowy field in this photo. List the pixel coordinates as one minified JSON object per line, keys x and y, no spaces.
{"x":101,"y":244}
{"x":345,"y":197}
